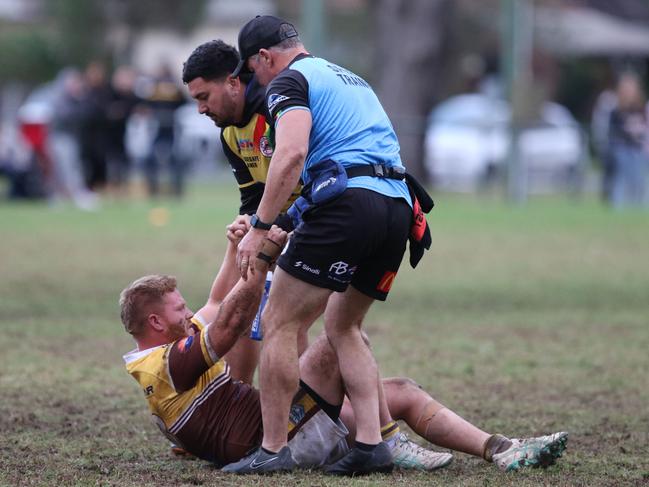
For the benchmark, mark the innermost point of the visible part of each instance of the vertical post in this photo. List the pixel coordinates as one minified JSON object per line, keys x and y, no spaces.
{"x":312,"y":29}
{"x":516,"y":54}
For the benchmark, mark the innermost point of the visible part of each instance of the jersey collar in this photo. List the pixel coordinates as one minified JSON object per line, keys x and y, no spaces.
{"x":255,"y":102}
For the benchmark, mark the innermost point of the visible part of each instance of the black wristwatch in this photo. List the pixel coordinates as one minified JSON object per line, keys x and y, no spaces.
{"x":255,"y":222}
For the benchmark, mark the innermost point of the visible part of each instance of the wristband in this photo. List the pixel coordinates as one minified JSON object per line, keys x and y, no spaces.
{"x":255,"y":222}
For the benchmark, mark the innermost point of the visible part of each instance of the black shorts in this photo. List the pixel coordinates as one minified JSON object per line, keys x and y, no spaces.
{"x":358,"y":239}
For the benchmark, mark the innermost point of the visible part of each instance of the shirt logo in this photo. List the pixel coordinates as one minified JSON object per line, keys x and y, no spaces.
{"x":245,"y":144}
{"x":264,"y":147}
{"x":274,"y":99}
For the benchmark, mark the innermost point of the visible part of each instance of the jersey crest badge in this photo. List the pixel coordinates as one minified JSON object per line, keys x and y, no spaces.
{"x":264,"y":146}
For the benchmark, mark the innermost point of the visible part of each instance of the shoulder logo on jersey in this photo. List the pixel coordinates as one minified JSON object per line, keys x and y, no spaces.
{"x":185,"y":344}
{"x":148,"y":390}
{"x":264,"y":146}
{"x":274,"y":99}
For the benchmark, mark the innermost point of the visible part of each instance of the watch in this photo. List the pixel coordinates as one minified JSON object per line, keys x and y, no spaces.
{"x":255,"y":222}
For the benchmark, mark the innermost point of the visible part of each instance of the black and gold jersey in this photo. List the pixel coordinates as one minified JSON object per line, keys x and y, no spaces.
{"x":249,"y":150}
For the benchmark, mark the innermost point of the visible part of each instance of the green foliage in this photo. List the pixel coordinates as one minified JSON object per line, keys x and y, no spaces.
{"x":524,"y":321}
{"x":166,"y":13}
{"x":74,"y":32}
{"x":26,"y":55}
{"x":79,"y":27}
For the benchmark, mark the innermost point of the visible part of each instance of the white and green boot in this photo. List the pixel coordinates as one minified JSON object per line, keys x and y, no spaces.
{"x":407,"y":454}
{"x":532,"y":452}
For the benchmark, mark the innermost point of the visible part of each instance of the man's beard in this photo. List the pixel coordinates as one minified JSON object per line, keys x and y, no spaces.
{"x":176,"y":332}
{"x":220,"y":123}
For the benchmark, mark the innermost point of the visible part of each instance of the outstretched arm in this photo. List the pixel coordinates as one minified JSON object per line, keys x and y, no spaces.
{"x":237,"y":310}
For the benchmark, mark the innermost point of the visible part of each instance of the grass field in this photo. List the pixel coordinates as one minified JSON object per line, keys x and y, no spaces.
{"x":525,"y":321}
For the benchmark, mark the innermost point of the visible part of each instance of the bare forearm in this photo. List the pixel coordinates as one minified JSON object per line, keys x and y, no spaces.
{"x":224,"y":281}
{"x":283,"y":176}
{"x":236,"y":313}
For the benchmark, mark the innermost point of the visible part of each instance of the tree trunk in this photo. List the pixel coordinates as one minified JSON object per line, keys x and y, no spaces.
{"x":410,"y":38}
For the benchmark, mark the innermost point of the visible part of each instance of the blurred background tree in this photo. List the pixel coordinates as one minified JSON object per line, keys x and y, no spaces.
{"x":73,"y":32}
{"x":411,"y":45}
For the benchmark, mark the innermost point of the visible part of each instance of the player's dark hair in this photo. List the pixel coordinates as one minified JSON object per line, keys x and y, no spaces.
{"x":211,"y":61}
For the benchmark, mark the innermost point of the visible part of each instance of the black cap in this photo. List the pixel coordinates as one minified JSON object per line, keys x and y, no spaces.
{"x":261,"y":32}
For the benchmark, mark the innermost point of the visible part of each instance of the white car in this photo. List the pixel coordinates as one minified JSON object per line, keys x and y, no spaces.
{"x":197,"y":138}
{"x":467,"y":141}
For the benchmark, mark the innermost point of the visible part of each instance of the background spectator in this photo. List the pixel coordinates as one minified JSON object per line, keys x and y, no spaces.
{"x":628,"y":139}
{"x":94,"y":134}
{"x":121,"y":103}
{"x":164,"y":98}
{"x":64,"y":142}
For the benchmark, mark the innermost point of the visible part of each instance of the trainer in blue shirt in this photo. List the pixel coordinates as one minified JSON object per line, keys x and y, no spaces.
{"x":331,"y":130}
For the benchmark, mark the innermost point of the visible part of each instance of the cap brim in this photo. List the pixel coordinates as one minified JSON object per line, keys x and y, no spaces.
{"x":241,"y":68}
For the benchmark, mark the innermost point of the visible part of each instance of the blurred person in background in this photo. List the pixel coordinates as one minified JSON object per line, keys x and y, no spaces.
{"x":121,"y":103}
{"x":20,"y":166}
{"x":141,"y":131}
{"x":94,"y":132}
{"x":64,"y":142}
{"x":600,"y":127}
{"x":628,"y":131}
{"x":164,"y":98}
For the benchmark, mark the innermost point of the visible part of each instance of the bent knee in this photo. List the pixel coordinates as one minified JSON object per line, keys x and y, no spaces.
{"x":401,"y":383}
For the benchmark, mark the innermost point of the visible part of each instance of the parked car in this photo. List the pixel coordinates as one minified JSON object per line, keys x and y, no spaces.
{"x":467,"y":142}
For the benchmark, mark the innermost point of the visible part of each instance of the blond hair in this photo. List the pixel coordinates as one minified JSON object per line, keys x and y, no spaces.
{"x":136,"y":299}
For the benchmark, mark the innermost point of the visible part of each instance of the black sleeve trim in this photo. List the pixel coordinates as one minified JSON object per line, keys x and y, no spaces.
{"x":289,"y":89}
{"x":250,"y":198}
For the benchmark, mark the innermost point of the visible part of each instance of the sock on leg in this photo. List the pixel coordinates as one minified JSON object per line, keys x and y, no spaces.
{"x":364,"y":446}
{"x":390,"y":433}
{"x":495,"y":444}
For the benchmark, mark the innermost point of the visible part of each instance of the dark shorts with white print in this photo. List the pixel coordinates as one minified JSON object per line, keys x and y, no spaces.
{"x":359,"y":239}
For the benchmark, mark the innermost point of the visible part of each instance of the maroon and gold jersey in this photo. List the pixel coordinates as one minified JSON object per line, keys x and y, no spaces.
{"x":194,"y":400}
